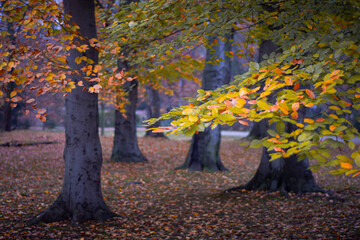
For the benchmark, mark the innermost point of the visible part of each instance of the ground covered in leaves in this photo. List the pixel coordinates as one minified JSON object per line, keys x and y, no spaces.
{"x":156,"y":202}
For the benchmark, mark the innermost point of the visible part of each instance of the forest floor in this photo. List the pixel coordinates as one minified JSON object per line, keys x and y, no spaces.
{"x":155,"y":202}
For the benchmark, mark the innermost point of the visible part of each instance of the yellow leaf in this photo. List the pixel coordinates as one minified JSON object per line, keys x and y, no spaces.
{"x":309,"y":120}
{"x":193,"y":118}
{"x":78,"y":60}
{"x":12,"y":94}
{"x":333,"y":116}
{"x":214,"y":112}
{"x":261,"y":76}
{"x":187,"y":111}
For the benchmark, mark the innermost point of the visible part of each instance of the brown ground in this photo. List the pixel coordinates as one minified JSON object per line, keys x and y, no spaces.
{"x":156,"y":202}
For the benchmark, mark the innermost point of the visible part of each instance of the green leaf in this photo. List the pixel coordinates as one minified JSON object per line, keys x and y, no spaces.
{"x":227,"y":117}
{"x":280,"y":127}
{"x":256,"y":143}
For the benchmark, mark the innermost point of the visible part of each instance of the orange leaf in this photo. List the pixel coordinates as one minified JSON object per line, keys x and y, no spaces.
{"x":228,"y":103}
{"x":288,"y":81}
{"x":277,"y":149}
{"x":332,"y":127}
{"x":158,"y":130}
{"x":346,"y":165}
{"x":243,"y":122}
{"x":308,"y":120}
{"x":297,"y":86}
{"x":42,"y":118}
{"x":310,"y":93}
{"x":319,"y":120}
{"x":356,"y":174}
{"x":295,"y":106}
{"x":16,"y":99}
{"x":278,"y":71}
{"x":294,"y":115}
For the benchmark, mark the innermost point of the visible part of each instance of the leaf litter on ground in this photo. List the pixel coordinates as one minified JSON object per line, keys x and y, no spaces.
{"x":156,"y":202}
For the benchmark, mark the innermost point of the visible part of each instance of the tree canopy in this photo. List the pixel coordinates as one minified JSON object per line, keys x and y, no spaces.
{"x":317,"y":66}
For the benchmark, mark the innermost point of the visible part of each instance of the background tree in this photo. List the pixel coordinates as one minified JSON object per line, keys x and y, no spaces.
{"x":204,"y":152}
{"x":153,"y":108}
{"x":81,"y":197}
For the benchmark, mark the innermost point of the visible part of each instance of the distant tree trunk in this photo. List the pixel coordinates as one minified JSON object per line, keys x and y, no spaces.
{"x":9,"y":121}
{"x":204,"y":152}
{"x":284,"y":175}
{"x":102,"y":123}
{"x":153,"y":111}
{"x":81,"y":197}
{"x":125,"y":148}
{"x":9,"y":118}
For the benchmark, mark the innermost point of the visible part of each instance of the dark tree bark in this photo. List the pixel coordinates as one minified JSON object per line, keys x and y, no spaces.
{"x":204,"y":152}
{"x":9,"y":119}
{"x":153,"y":111}
{"x":258,"y":130}
{"x":81,"y":197}
{"x":284,"y":175}
{"x":126,"y":148}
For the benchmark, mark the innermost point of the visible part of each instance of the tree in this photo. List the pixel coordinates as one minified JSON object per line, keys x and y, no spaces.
{"x":9,"y":115}
{"x":319,"y":58}
{"x":125,"y":147}
{"x":204,"y":152}
{"x":81,"y":197}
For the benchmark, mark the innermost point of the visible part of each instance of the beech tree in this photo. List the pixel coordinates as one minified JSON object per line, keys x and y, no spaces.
{"x":318,"y":57}
{"x":81,"y":197}
{"x":204,"y":152}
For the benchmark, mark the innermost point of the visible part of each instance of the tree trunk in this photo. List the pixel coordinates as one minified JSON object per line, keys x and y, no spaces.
{"x":9,"y":121}
{"x":9,"y":115}
{"x":284,"y":175}
{"x":102,"y":105}
{"x":125,"y":148}
{"x":81,"y":197}
{"x":258,"y":130}
{"x":153,"y":111}
{"x":205,"y":147}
